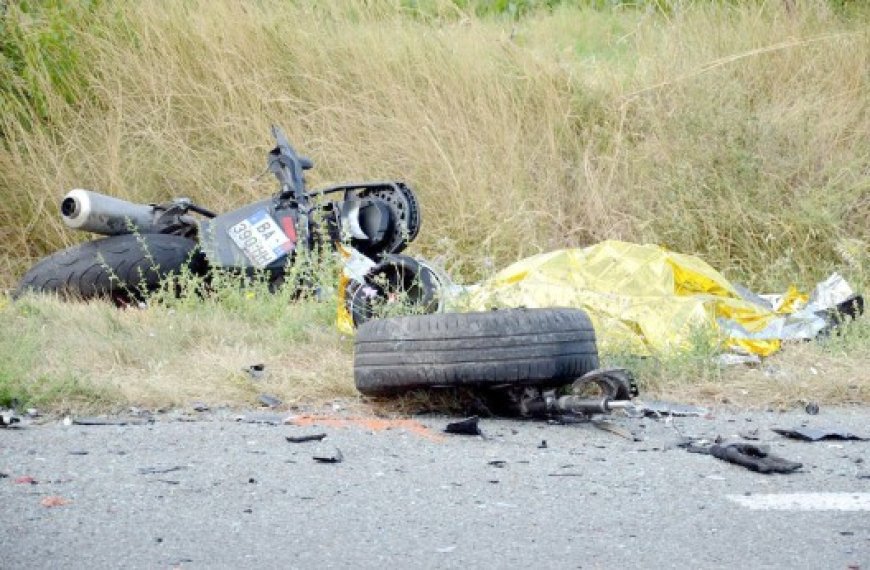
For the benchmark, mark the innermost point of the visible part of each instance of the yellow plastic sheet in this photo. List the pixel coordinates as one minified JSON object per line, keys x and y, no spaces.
{"x":641,"y":298}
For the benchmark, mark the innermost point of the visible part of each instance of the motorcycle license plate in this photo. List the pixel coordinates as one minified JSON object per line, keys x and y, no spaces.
{"x":261,"y":239}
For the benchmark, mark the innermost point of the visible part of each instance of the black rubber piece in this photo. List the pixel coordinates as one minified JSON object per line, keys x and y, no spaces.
{"x":118,"y":267}
{"x":525,"y":347}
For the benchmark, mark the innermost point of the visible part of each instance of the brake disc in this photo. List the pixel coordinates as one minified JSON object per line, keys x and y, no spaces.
{"x":405,"y":208}
{"x":612,"y":383}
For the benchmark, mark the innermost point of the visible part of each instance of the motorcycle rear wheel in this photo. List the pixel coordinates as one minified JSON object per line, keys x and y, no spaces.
{"x":122,"y":268}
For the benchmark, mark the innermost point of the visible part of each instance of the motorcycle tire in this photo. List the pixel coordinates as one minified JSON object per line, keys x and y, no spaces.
{"x":121,"y":268}
{"x":519,"y":347}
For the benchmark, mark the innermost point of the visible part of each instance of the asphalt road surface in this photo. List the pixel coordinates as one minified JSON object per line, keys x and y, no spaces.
{"x":207,"y":491}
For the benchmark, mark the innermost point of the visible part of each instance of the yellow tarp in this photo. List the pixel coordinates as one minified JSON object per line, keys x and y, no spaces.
{"x":641,"y":298}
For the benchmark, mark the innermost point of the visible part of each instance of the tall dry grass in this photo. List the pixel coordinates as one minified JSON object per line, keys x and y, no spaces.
{"x":739,"y":133}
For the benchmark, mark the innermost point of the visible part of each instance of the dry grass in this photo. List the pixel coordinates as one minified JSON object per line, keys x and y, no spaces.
{"x":733,"y":132}
{"x":161,"y":357}
{"x":94,"y":356}
{"x":832,"y":370}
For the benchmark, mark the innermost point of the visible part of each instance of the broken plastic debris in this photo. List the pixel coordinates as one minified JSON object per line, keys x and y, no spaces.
{"x":255,"y":371}
{"x":335,"y":457}
{"x":755,"y":457}
{"x":467,"y":426}
{"x":304,"y":438}
{"x":7,"y":419}
{"x":656,"y":408}
{"x":269,"y":401}
{"x":732,"y":359}
{"x":817,"y":434}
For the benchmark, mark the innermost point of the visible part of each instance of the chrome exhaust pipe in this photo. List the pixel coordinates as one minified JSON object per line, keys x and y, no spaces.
{"x":100,"y":214}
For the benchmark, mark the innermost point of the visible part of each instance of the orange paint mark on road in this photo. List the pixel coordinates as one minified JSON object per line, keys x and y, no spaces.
{"x":54,"y":501}
{"x":371,"y":424}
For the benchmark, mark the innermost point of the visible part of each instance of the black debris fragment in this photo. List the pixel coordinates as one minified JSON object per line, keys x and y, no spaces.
{"x":159,"y":470}
{"x":467,"y":426}
{"x":255,"y":371}
{"x":543,"y":444}
{"x":656,"y":408}
{"x":79,"y":452}
{"x":335,"y":457}
{"x":817,"y":434}
{"x":200,"y":407}
{"x":304,"y":438}
{"x":755,"y":457}
{"x":264,"y":418}
{"x":498,"y":463}
{"x":269,"y":401}
{"x":812,"y":409}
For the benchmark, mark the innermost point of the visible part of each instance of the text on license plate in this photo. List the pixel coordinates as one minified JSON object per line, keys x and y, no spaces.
{"x":261,"y":239}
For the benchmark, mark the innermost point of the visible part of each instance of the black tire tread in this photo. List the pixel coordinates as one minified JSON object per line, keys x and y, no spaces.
{"x":544,"y":347}
{"x":86,"y":271}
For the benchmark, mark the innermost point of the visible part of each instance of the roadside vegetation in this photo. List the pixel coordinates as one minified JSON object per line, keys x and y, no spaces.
{"x":736,"y":131}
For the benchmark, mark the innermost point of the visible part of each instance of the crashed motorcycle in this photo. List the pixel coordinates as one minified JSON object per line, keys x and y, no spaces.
{"x":368,"y":223}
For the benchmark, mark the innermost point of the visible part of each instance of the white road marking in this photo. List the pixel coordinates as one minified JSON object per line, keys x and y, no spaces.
{"x":805,"y":501}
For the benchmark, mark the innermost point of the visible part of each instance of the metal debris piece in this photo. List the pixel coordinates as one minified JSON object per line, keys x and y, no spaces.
{"x":616,"y":430}
{"x":817,"y":434}
{"x":336,"y":457}
{"x":269,"y":401}
{"x":304,"y":438}
{"x":97,"y":421}
{"x":467,"y":426}
{"x":159,"y":470}
{"x":656,"y":408}
{"x":613,"y":383}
